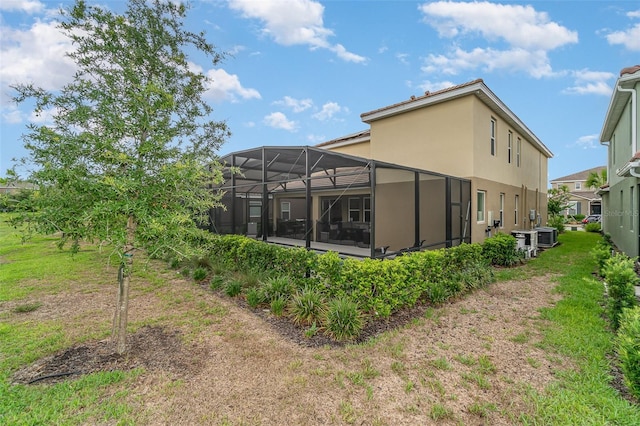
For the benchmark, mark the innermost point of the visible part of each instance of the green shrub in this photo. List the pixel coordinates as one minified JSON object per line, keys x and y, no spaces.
{"x":592,"y":227}
{"x":601,"y":253}
{"x":343,"y":320}
{"x":307,"y":306}
{"x":628,"y":346}
{"x":578,"y":217}
{"x":556,"y":222}
{"x":501,"y":250}
{"x":200,"y":274}
{"x":233,"y":288}
{"x":621,"y":277}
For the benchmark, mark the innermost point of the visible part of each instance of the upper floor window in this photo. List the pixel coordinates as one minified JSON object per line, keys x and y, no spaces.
{"x":578,"y":186}
{"x":509,"y":146}
{"x":493,"y":136}
{"x":518,"y":150}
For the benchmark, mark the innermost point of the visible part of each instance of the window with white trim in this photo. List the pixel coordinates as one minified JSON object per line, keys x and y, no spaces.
{"x":509,"y":146}
{"x":502,"y":210}
{"x":354,"y":209}
{"x":255,"y":210}
{"x":367,"y":209}
{"x":515,"y":210}
{"x":493,"y":137}
{"x":285,"y":210}
{"x":480,"y":206}
{"x":578,"y":186}
{"x":518,"y":148}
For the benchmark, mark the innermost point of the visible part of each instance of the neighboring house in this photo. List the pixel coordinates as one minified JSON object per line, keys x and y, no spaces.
{"x":435,"y":170}
{"x":621,"y":198}
{"x":583,"y":200}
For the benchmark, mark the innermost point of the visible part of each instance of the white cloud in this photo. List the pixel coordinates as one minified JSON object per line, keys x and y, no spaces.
{"x":402,"y":57}
{"x":590,"y":82}
{"x":430,"y":86}
{"x":328,"y":111}
{"x":294,"y":22}
{"x":28,"y":6}
{"x":296,"y":105}
{"x":278,"y":120}
{"x":316,"y":139}
{"x":629,"y":38}
{"x":227,"y":87}
{"x":587,"y":142}
{"x":36,"y":55}
{"x":535,"y":63}
{"x":12,"y":116}
{"x":528,"y":34}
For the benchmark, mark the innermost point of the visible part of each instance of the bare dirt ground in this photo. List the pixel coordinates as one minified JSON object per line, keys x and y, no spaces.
{"x":207,"y":359}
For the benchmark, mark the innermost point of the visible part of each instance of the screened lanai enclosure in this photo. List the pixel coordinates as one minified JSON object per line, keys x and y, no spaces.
{"x":324,"y":200}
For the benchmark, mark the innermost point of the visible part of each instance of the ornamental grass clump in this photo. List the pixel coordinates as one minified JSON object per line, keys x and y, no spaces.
{"x":621,"y":277}
{"x":343,"y":320}
{"x":276,"y":288}
{"x":307,"y":306}
{"x":628,"y":346}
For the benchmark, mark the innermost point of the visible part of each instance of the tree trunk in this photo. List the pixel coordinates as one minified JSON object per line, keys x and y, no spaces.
{"x":119,"y":328}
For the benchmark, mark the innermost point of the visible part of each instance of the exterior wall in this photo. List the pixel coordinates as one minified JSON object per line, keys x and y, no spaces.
{"x":453,"y":138}
{"x":515,"y":217}
{"x":362,"y":149}
{"x":438,"y":138}
{"x":620,"y":205}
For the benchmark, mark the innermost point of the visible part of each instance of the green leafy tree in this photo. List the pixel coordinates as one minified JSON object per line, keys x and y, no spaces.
{"x":130,"y":154}
{"x":558,"y":200}
{"x":595,"y":180}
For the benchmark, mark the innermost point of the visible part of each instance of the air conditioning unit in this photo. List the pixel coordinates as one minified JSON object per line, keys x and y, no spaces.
{"x":527,"y":241}
{"x":547,"y":236}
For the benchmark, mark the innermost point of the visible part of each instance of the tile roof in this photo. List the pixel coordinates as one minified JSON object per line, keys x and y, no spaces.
{"x":426,"y":95}
{"x":629,"y":70}
{"x":352,"y":136}
{"x":583,"y":175}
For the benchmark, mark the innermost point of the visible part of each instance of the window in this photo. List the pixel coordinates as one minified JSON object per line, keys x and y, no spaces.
{"x":354,"y":209}
{"x":509,"y":146}
{"x":518,"y":148}
{"x":493,"y":136}
{"x":285,"y":210}
{"x":631,"y":208}
{"x":515,"y":210}
{"x":573,"y":208}
{"x":501,"y":210}
{"x":578,"y":186}
{"x":367,"y":209}
{"x":255,"y":211}
{"x":480,"y":208}
{"x":621,"y":209}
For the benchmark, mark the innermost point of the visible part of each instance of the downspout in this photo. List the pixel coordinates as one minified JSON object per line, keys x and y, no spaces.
{"x":634,"y":127}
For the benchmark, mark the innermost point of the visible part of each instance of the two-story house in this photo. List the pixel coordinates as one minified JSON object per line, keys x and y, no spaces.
{"x":583,"y":199}
{"x":621,"y":212}
{"x":431,"y":171}
{"x":464,"y":131}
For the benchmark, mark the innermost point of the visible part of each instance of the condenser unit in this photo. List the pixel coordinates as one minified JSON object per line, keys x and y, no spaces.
{"x":527,"y":241}
{"x":547,"y":236}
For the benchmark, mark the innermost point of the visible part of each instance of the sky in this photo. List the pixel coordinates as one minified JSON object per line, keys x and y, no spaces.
{"x":300,"y":72}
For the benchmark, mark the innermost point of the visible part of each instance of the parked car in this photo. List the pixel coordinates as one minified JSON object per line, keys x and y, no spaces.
{"x":592,"y":218}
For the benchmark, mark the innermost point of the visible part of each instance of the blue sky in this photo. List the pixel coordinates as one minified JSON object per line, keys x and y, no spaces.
{"x":301,"y":72}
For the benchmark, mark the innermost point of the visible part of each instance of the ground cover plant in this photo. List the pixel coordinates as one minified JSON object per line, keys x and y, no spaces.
{"x":531,"y":348}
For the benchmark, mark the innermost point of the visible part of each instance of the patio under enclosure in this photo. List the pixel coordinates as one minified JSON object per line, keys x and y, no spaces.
{"x":324,"y":200}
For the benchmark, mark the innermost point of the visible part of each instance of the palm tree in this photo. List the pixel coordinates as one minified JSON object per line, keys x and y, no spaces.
{"x":596,"y":180}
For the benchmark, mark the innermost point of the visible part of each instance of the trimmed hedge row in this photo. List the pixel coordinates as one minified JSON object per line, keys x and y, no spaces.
{"x":379,"y":287}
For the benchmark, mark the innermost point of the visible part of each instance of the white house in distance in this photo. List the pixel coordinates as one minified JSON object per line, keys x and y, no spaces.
{"x":584,"y":200}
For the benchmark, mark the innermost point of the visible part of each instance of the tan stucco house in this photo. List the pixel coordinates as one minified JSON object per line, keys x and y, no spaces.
{"x":431,"y":171}
{"x":583,"y":200}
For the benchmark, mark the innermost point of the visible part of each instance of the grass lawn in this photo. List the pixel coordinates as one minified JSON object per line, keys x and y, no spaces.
{"x":251,"y":376}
